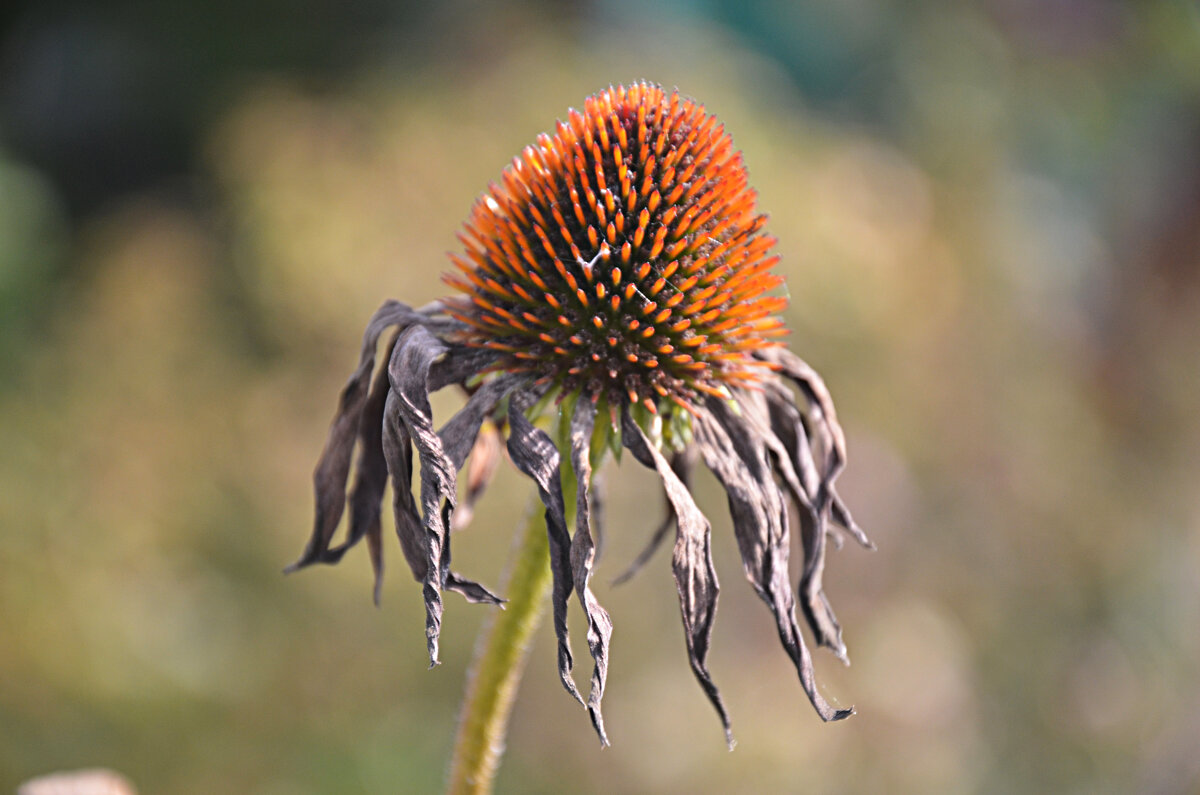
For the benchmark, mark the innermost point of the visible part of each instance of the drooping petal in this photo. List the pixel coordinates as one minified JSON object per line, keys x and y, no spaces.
{"x":397,"y":452}
{"x":459,"y":434}
{"x":597,"y":513}
{"x":740,"y":462}
{"x":816,"y":445}
{"x":329,"y":478}
{"x":829,"y":440}
{"x":366,"y":496}
{"x":458,"y":365}
{"x":415,"y":352}
{"x":682,"y":464}
{"x":484,"y":461}
{"x":534,"y":454}
{"x":583,"y":555}
{"x":695,"y":576}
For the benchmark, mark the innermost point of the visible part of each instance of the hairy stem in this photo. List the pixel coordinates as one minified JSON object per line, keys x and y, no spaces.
{"x":499,"y":662}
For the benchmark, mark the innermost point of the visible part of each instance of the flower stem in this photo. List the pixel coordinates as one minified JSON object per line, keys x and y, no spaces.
{"x":499,"y":662}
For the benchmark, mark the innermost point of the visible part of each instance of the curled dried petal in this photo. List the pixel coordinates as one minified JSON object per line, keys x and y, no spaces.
{"x":534,"y":454}
{"x":739,"y":461}
{"x":415,"y":352}
{"x":695,"y":577}
{"x":333,"y":468}
{"x":583,"y":555}
{"x":682,"y":464}
{"x":485,"y":459}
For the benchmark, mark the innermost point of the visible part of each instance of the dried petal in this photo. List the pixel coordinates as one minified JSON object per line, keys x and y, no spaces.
{"x":787,"y":421}
{"x":397,"y":452}
{"x":739,"y":461}
{"x":583,"y":555}
{"x":597,"y":513}
{"x":695,"y":577}
{"x":532,"y":452}
{"x":462,"y":433}
{"x":484,"y":460}
{"x":682,"y":464}
{"x":366,"y":497}
{"x":415,"y":352}
{"x":329,"y":478}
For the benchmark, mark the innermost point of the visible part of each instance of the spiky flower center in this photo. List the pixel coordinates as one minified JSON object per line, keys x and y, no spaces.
{"x":622,"y":257}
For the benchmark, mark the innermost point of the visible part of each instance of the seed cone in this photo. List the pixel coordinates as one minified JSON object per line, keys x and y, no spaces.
{"x":622,"y":257}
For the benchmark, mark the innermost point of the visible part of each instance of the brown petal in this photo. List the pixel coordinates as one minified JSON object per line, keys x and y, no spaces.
{"x":484,"y":461}
{"x":415,"y":352}
{"x":583,"y":555}
{"x":740,"y":462}
{"x":534,"y":454}
{"x":830,"y":451}
{"x":682,"y":464}
{"x":397,"y":452}
{"x":462,"y":433}
{"x":787,"y":424}
{"x":366,"y":497}
{"x":695,"y":577}
{"x":329,"y":478}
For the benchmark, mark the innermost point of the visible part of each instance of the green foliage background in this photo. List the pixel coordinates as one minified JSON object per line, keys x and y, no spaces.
{"x":990,"y":221}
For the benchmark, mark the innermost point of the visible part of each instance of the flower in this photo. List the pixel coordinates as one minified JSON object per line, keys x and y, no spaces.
{"x":620,"y":273}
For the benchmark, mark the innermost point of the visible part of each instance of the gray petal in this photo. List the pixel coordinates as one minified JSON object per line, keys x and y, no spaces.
{"x":740,"y":462}
{"x":597,"y":514}
{"x":787,"y":428}
{"x":485,"y":458}
{"x":366,"y":497}
{"x":329,"y":478}
{"x":682,"y":464}
{"x":695,"y":577}
{"x":397,"y":452}
{"x":828,"y":438}
{"x":416,"y":351}
{"x":458,"y":365}
{"x":583,"y":555}
{"x":534,"y":454}
{"x":459,"y":434}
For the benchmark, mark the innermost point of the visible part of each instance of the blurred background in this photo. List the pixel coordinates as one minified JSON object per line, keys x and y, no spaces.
{"x":989,"y":215}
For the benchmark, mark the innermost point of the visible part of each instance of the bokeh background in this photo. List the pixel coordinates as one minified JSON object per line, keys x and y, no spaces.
{"x":989,"y":215}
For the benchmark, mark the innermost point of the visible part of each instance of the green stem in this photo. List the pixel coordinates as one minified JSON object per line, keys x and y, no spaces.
{"x":500,"y":661}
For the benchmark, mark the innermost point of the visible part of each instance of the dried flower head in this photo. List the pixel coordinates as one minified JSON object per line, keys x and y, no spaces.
{"x":618,"y":271}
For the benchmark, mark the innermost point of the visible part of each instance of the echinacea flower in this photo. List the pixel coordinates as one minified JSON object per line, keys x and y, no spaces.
{"x":618,"y":277}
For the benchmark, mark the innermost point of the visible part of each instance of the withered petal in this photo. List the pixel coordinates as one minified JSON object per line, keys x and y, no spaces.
{"x":583,"y":555}
{"x":682,"y":464}
{"x":458,"y":435}
{"x":397,"y":452}
{"x":787,"y":425}
{"x":459,"y":364}
{"x":333,"y":468}
{"x":695,"y":576}
{"x":534,"y":453}
{"x":828,"y":439}
{"x":740,"y":462}
{"x":485,"y":458}
{"x":415,"y":353}
{"x":842,"y":518}
{"x":597,"y":514}
{"x":370,"y":481}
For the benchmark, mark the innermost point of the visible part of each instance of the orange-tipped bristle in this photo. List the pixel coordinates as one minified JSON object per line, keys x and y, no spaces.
{"x":615,"y":244}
